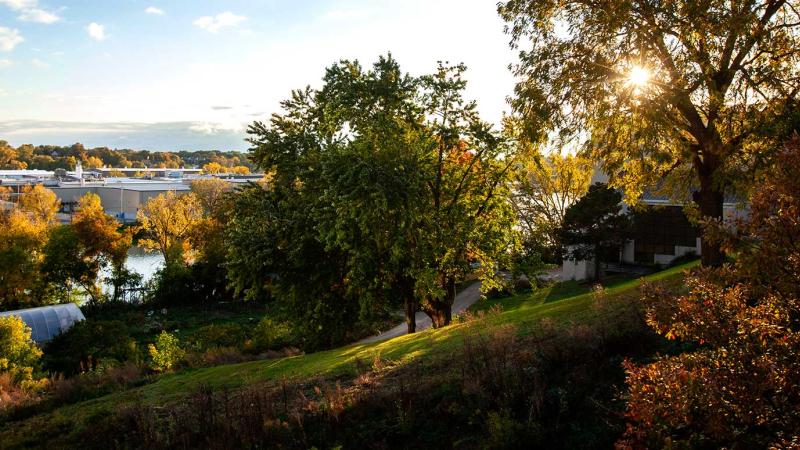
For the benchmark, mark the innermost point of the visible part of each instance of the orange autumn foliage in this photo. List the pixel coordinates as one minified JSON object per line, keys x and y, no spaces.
{"x":740,"y":388}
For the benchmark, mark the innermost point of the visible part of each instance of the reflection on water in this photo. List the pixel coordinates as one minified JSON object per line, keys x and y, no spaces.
{"x":144,"y":263}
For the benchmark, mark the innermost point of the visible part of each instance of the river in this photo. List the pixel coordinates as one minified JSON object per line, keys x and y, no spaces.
{"x":144,"y":263}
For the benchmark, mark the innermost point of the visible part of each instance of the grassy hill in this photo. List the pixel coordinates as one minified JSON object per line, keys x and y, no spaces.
{"x":544,"y":315}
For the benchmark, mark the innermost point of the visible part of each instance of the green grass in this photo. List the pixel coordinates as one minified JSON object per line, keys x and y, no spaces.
{"x":562,"y":303}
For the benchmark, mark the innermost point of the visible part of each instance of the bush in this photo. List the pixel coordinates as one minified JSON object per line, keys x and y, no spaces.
{"x":740,"y":387}
{"x":218,"y":336}
{"x":172,"y":285}
{"x":94,"y":383}
{"x":270,"y":334}
{"x":19,"y":356}
{"x":88,"y":344}
{"x":166,"y":353}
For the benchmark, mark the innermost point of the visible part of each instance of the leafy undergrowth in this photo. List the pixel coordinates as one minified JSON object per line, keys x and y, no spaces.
{"x":555,"y":353}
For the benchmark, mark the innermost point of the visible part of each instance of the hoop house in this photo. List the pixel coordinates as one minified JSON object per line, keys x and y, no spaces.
{"x":48,"y":321}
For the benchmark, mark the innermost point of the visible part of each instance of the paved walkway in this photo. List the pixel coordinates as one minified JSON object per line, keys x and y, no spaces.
{"x":464,"y":300}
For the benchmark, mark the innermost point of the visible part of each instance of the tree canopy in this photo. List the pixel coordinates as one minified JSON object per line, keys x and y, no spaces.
{"x":169,"y":221}
{"x":382,"y":186}
{"x":544,"y":188}
{"x":678,"y":95}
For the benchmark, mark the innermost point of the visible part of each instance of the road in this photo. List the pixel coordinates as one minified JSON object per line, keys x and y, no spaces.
{"x":464,"y":300}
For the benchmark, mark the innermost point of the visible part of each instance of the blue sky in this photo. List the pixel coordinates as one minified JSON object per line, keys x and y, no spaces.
{"x":191,"y":74}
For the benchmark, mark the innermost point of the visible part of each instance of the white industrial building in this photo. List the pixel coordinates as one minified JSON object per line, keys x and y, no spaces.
{"x":121,"y":197}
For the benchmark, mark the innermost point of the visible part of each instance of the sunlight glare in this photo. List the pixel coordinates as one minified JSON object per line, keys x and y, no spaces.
{"x":639,"y":76}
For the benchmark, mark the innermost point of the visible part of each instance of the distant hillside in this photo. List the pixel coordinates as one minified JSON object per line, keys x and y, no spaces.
{"x":172,"y":136}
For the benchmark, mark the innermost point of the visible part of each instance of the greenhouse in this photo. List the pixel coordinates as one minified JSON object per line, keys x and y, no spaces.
{"x":48,"y":321}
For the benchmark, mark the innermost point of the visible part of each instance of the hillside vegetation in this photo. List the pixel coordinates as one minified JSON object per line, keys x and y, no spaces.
{"x":521,"y":330}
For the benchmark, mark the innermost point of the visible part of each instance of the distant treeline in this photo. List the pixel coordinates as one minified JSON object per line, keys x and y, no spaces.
{"x":52,"y":157}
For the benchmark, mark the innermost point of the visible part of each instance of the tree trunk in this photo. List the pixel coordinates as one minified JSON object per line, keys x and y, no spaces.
{"x":441,"y":311}
{"x":441,"y":314}
{"x":411,"y":314}
{"x":410,"y":303}
{"x":710,"y":200}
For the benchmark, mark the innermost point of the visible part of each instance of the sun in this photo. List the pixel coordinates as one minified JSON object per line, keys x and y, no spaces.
{"x":639,"y":76}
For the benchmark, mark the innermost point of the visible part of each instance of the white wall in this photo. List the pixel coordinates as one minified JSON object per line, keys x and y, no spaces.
{"x":577,"y":270}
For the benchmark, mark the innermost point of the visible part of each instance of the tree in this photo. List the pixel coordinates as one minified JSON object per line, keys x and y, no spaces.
{"x":240,"y":170}
{"x":543,"y":190}
{"x":210,"y":193}
{"x":400,"y":184}
{"x":739,"y":387}
{"x":214,"y":168}
{"x":208,"y":237}
{"x":77,"y":253}
{"x":9,"y":158}
{"x":169,"y":220}
{"x":673,"y":93}
{"x":40,"y":203}
{"x":594,"y":226}
{"x":23,"y":235}
{"x":18,"y":354}
{"x":92,"y":162}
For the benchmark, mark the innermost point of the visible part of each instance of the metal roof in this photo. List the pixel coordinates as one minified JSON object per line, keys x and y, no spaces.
{"x":47,"y":322}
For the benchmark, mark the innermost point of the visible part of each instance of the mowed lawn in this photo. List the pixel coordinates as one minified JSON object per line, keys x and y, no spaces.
{"x":562,"y":303}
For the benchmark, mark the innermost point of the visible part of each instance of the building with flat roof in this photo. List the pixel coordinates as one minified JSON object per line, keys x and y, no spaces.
{"x":121,"y":194}
{"x":121,"y":199}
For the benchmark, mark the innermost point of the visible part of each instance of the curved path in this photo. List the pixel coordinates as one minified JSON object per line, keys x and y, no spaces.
{"x":464,"y":299}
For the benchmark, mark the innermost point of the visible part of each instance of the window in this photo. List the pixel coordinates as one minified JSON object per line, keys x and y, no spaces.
{"x":659,"y":230}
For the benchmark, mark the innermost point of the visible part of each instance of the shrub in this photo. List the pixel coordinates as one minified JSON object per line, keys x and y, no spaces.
{"x":741,"y":387}
{"x":12,"y":394}
{"x":172,"y":285}
{"x":218,"y":335}
{"x":270,"y":334}
{"x":223,"y":355}
{"x":166,"y":353}
{"x":94,"y":383}
{"x":88,"y":343}
{"x":19,"y":356}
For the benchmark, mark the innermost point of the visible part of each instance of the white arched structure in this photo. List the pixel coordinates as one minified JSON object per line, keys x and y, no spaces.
{"x":48,"y":321}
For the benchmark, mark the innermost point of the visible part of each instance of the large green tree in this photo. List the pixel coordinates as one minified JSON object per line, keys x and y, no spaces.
{"x":393,"y":181}
{"x":683,"y":92}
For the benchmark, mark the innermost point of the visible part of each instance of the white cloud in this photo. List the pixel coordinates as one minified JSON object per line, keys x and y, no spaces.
{"x":221,"y":20}
{"x":96,"y":31}
{"x":30,"y":12}
{"x":19,"y":5}
{"x":154,"y":10}
{"x":9,"y":38}
{"x":6,"y":63}
{"x":39,"y":16}
{"x":212,"y":128}
{"x":39,"y":63}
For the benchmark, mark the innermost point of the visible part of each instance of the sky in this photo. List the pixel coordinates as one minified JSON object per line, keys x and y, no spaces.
{"x":191,"y":74}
